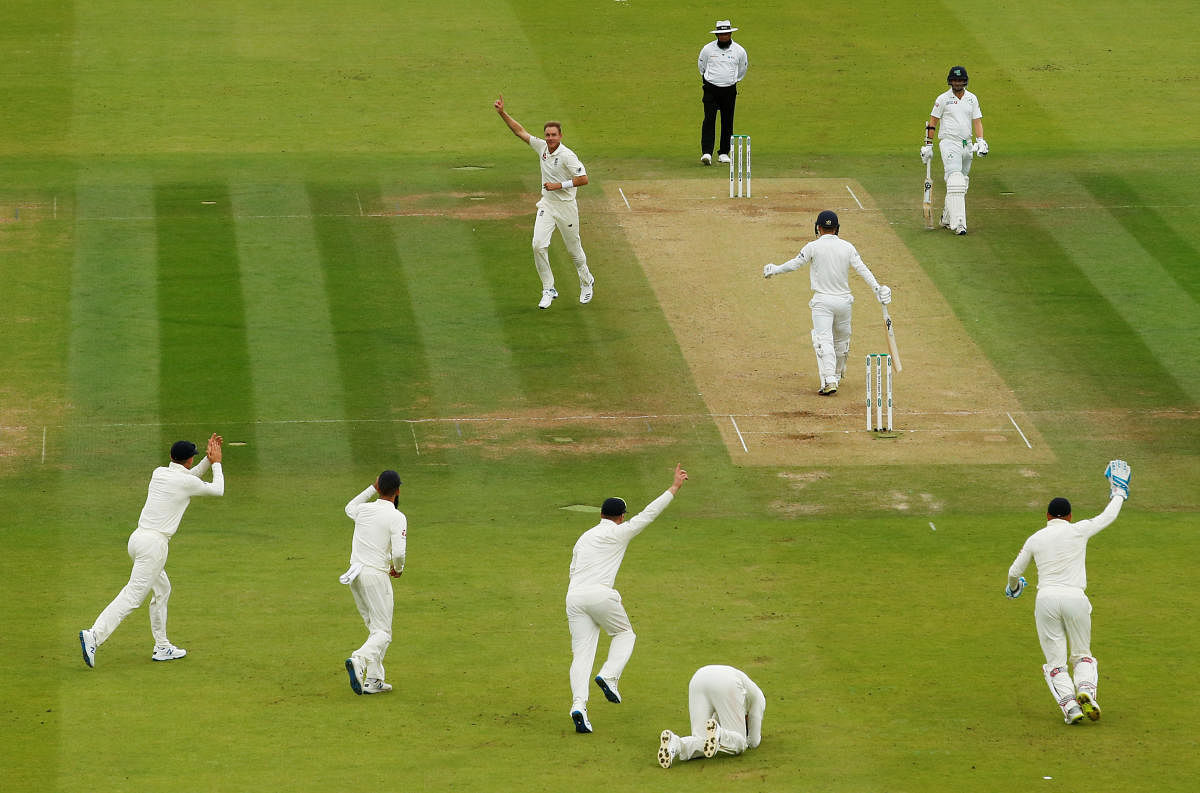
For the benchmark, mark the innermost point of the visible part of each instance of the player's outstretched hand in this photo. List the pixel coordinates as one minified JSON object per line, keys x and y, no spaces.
{"x":1118,"y":473}
{"x":213,"y":450}
{"x":680,"y":477}
{"x":499,"y":104}
{"x":769,"y":270}
{"x":1013,"y":594}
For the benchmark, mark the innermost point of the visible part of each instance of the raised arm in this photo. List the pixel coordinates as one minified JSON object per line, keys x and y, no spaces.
{"x":516,"y":128}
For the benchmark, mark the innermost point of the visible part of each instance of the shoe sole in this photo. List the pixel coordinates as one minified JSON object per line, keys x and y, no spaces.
{"x":710,"y":738}
{"x":1089,"y":707}
{"x":581,"y":724}
{"x":664,"y":749}
{"x":354,"y":681}
{"x":1078,"y":717}
{"x":826,"y":392}
{"x":89,"y":660}
{"x":609,"y":694}
{"x":169,"y":658}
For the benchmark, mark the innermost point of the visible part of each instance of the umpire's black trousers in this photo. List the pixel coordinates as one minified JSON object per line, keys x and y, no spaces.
{"x":717,"y":98}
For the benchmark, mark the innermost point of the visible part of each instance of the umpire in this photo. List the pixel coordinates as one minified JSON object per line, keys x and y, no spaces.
{"x":723,"y":64}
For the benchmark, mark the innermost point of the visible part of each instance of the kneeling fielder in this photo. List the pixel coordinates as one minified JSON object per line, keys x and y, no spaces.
{"x":726,"y":710}
{"x":1063,"y":613}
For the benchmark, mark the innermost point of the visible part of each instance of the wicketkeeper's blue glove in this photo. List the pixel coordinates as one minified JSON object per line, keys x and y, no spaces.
{"x":1118,"y":473}
{"x":1013,"y":594}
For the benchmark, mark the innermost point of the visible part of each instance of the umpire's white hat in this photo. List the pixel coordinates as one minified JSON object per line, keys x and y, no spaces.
{"x":723,"y":26}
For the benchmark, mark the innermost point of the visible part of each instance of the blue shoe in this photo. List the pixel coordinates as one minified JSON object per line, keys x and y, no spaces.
{"x":355,"y":680}
{"x":579,"y":716}
{"x":609,"y":687}
{"x":87,"y":642}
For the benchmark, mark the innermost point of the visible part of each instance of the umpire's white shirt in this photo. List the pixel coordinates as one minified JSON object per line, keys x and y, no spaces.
{"x":1060,"y":550}
{"x":599,"y":551}
{"x":380,"y":532}
{"x":171,"y":488}
{"x":830,"y":258}
{"x":957,"y":115}
{"x":561,"y":165}
{"x":723,"y":67}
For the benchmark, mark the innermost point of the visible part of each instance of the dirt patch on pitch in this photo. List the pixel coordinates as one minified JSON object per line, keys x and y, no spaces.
{"x":459,"y":206}
{"x":747,"y":339}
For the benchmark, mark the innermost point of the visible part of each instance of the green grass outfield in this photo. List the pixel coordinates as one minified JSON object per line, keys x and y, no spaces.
{"x":303,"y":226}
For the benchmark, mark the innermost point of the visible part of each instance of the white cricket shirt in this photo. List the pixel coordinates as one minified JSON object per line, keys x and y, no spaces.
{"x":830,"y":258}
{"x":171,"y":489}
{"x":561,"y":166}
{"x":599,"y":550}
{"x":956,"y":115}
{"x":1060,"y":550}
{"x":380,"y":532}
{"x":723,"y":67}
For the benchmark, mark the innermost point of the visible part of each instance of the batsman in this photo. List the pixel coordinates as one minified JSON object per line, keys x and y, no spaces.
{"x":955,"y":116}
{"x":1063,"y":612}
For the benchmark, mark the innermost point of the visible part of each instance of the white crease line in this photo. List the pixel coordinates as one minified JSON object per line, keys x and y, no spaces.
{"x":623,"y":198}
{"x":43,"y":445}
{"x":360,"y":209}
{"x":416,"y":445}
{"x":739,"y":434}
{"x":1014,"y":423}
{"x":852,"y":195}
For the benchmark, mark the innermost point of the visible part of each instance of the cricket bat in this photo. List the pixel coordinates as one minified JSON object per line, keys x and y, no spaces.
{"x":927,"y":209}
{"x":891,"y":338}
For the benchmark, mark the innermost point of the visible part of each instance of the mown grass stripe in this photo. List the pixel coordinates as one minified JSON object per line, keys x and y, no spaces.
{"x":205,"y":374}
{"x":289,"y":331}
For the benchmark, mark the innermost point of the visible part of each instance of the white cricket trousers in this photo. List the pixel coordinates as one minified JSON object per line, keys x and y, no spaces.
{"x":715,"y":692}
{"x":956,"y":157}
{"x":831,"y":334}
{"x":588,"y":610}
{"x":563,"y":215}
{"x":1064,"y":626}
{"x":372,"y":591}
{"x":148,"y":550}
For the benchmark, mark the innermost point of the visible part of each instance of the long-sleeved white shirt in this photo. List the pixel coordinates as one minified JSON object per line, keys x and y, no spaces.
{"x":1060,"y":550}
{"x":599,"y":550}
{"x":830,"y":258}
{"x":171,"y":489}
{"x":380,"y":532}
{"x":723,"y":67}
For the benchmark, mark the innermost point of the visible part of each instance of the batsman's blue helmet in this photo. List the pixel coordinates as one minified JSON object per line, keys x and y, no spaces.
{"x":957,"y":73}
{"x":827,"y":220}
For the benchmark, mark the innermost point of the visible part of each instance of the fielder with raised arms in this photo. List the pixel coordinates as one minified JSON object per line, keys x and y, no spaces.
{"x":562,"y":173}
{"x":954,"y":117}
{"x":1063,"y":612}
{"x":830,"y":258}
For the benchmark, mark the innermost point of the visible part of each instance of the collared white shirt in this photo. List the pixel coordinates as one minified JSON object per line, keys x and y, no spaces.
{"x":599,"y":550}
{"x":561,"y":165}
{"x":957,"y":115}
{"x":1060,"y":550}
{"x":830,"y":258}
{"x":171,"y":489}
{"x":380,"y":532}
{"x":723,"y":67}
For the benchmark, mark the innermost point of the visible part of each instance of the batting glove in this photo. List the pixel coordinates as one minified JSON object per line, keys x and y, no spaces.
{"x":1118,"y":473}
{"x":770,"y":270}
{"x":981,"y":147}
{"x":884,"y":294}
{"x":927,"y":152}
{"x":1013,"y":594}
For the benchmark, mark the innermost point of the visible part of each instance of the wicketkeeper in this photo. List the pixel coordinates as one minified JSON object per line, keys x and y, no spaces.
{"x":1063,"y":612}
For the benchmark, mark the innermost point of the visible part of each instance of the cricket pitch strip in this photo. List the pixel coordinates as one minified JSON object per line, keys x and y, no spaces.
{"x":747,"y":340}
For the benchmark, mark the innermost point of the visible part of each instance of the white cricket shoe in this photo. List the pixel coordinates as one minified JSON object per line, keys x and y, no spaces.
{"x":87,"y":642}
{"x":1074,"y":715}
{"x":1090,"y":707}
{"x":706,"y":159}
{"x":357,"y":674}
{"x":168,"y":652}
{"x":609,"y":687}
{"x":585,"y":293}
{"x":374,"y":685}
{"x":579,"y":716}
{"x":960,"y":230}
{"x":829,"y":389}
{"x":669,"y":748}
{"x":711,"y":743}
{"x":548,"y":296}
{"x":723,"y":158}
